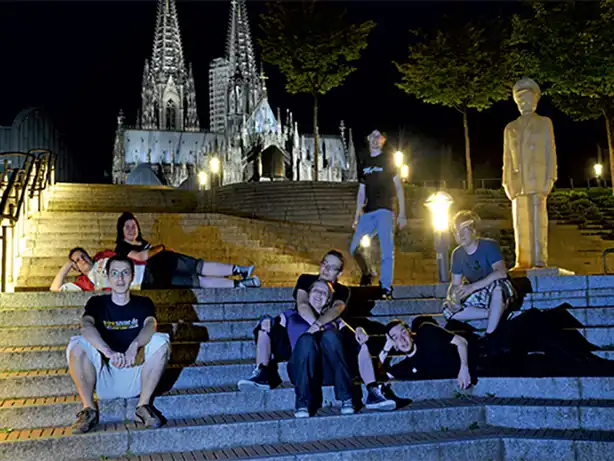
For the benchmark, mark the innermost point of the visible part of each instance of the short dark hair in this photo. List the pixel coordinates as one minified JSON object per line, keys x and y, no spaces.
{"x":337,"y":254}
{"x":123,"y":259}
{"x":74,"y":250}
{"x":395,"y":323}
{"x":465,"y":215}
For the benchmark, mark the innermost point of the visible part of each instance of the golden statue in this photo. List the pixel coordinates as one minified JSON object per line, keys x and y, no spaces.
{"x":529,"y":172}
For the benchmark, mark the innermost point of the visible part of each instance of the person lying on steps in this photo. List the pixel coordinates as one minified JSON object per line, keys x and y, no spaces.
{"x":318,"y":355}
{"x":168,"y":269}
{"x":480,"y":286}
{"x":271,"y":335}
{"x":92,"y":272}
{"x":119,"y":353}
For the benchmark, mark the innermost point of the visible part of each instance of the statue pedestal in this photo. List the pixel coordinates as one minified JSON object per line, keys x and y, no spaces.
{"x":540,"y":272}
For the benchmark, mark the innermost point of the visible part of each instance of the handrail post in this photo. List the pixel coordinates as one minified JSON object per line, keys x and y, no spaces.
{"x":4,"y":258}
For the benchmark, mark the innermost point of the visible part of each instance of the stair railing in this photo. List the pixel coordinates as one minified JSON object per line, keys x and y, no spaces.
{"x":26,"y":180}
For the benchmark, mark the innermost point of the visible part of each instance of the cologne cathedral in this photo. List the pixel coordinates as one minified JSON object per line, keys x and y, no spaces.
{"x":246,"y":140}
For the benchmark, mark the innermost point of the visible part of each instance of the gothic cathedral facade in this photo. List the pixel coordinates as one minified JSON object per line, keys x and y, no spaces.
{"x":246,"y":140}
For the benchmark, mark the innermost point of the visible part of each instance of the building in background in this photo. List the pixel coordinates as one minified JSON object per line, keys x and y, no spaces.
{"x":246,"y":139}
{"x":33,"y":128}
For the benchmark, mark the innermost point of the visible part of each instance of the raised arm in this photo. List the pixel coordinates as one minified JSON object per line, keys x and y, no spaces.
{"x":59,"y":278}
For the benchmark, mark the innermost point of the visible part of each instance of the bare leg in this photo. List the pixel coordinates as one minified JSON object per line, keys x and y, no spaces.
{"x":83,"y":374}
{"x":471,"y":313}
{"x":263,"y":345}
{"x":216,"y":282}
{"x":152,"y":372}
{"x":216,"y":269}
{"x":365,"y":365}
{"x":497,"y":307}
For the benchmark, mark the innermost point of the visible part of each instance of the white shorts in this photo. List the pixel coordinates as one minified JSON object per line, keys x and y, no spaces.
{"x":112,"y":382}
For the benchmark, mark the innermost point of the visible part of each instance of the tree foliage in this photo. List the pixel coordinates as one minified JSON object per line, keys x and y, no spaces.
{"x":463,"y":65}
{"x":313,"y":47}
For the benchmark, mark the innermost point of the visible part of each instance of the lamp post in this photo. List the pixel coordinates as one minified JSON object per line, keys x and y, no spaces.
{"x":598,"y":169}
{"x":398,"y":159}
{"x":405,"y":172}
{"x":439,"y":205}
{"x":202,"y":180}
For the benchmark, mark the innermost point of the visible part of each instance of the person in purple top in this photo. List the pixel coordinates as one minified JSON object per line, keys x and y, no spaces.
{"x":480,"y":286}
{"x":318,"y":355}
{"x":271,"y":335}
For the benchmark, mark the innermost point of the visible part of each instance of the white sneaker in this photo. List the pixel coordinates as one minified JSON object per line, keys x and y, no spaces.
{"x":301,"y":413}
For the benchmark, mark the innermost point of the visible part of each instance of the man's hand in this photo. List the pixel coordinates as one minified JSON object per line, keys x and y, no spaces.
{"x":401,"y":222}
{"x":118,"y":360}
{"x":130,"y":355}
{"x":465,"y":290}
{"x":464,"y":378}
{"x":361,"y":336}
{"x":389,"y":344}
{"x":314,"y":328}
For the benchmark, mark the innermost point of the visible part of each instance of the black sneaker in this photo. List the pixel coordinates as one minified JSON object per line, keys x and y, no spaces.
{"x":258,"y":380}
{"x":86,"y":420}
{"x":347,"y":407}
{"x":386,"y":294}
{"x":376,"y":400}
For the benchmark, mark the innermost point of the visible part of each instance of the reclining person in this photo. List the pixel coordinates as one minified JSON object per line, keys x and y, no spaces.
{"x":480,"y":286}
{"x":429,"y":352}
{"x":119,"y":354}
{"x":92,"y":272}
{"x":168,"y":269}
{"x":318,"y":355}
{"x":272,"y":343}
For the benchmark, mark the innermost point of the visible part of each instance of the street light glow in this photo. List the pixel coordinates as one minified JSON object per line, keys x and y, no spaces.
{"x":405,"y":172}
{"x":365,"y":241}
{"x":398,"y":158}
{"x":214,"y":164}
{"x":202,"y":178}
{"x":598,"y":169}
{"x":439,"y":204}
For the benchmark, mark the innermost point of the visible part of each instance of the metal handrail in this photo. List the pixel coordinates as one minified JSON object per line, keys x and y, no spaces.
{"x":20,"y":186}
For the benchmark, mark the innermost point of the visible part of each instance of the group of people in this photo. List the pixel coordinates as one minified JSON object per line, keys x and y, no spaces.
{"x":120,"y":355}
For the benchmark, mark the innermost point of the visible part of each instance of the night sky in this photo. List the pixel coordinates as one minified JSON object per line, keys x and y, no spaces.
{"x":83,"y":61}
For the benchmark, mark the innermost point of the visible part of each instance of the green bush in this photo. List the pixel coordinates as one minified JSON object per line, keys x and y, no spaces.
{"x":583,"y":210}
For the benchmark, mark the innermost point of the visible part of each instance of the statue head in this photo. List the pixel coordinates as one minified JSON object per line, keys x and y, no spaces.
{"x":526,"y":95}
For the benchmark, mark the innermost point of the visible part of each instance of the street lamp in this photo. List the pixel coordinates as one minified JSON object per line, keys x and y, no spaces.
{"x":202,"y":179}
{"x":598,"y":168}
{"x":214,"y":164}
{"x":439,"y":205}
{"x":365,"y":241}
{"x":398,"y":159}
{"x":405,"y":172}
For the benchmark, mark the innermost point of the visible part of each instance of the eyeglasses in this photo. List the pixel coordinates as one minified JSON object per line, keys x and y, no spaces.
{"x":328,"y":267}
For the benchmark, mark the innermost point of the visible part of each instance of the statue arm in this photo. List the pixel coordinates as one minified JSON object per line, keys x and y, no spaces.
{"x":507,"y":165}
{"x":551,"y":153}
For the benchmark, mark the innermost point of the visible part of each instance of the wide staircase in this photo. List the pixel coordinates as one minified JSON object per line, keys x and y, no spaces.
{"x":500,"y":419}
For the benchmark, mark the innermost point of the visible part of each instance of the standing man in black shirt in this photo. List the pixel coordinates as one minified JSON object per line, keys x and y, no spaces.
{"x":379,"y":182}
{"x":119,"y":354}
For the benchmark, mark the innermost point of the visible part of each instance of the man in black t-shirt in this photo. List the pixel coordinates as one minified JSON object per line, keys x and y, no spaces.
{"x":429,"y":352}
{"x":119,"y":354}
{"x":272,"y":343}
{"x":379,"y":183}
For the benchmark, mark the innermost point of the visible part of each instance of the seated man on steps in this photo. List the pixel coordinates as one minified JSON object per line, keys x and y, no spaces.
{"x":92,"y":272}
{"x":272,"y":343}
{"x":119,"y":353}
{"x":428,"y":352}
{"x":477,"y":261}
{"x":318,"y":355}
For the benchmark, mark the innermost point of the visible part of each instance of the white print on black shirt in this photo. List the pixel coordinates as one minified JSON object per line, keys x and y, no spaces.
{"x":372,"y":169}
{"x":121,"y":324}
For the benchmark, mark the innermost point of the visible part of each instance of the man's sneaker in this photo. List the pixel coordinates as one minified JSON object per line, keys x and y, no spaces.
{"x":86,"y":420}
{"x":252,"y":282}
{"x":386,"y":294}
{"x":259,"y":379}
{"x":376,"y":400}
{"x":147,"y":415}
{"x":347,"y":407}
{"x":301,"y":413}
{"x":244,"y":272}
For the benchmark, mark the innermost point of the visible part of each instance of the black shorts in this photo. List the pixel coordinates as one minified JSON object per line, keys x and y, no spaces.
{"x":281,"y":350}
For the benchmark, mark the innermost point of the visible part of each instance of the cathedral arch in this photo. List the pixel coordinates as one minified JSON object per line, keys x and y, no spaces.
{"x":171,"y":115}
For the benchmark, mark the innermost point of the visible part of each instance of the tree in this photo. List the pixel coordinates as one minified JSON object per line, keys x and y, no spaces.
{"x":462,"y":66}
{"x":567,"y":47}
{"x":313,"y":47}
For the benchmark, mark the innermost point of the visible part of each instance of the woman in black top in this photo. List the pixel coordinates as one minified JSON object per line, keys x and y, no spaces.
{"x":168,"y":269}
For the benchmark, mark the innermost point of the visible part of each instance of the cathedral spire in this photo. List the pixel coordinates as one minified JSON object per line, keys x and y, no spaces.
{"x":167,"y":55}
{"x":239,"y":49}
